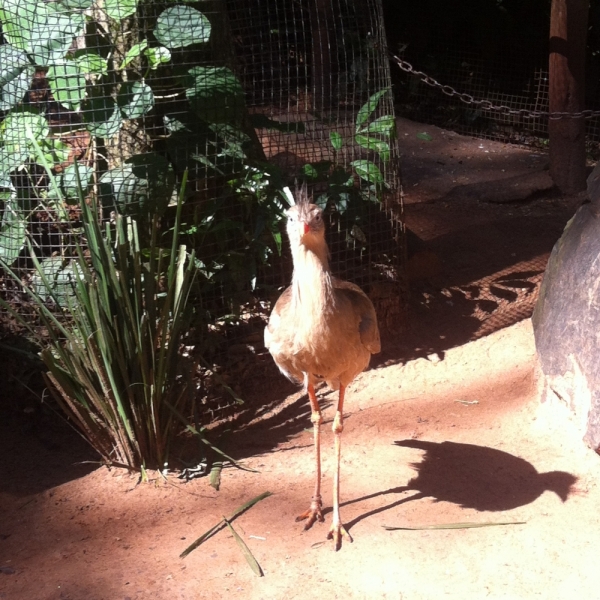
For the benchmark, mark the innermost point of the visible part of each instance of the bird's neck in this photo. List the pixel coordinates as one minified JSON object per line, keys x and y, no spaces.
{"x":311,"y":284}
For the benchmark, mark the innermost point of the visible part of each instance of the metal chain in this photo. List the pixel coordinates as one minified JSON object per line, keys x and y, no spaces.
{"x":487,"y":104}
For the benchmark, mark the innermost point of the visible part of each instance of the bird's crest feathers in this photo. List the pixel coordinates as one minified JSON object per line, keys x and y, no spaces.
{"x":301,"y":195}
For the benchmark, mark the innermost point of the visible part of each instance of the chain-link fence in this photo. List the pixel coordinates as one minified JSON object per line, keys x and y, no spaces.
{"x":483,"y":70}
{"x":120,"y":98}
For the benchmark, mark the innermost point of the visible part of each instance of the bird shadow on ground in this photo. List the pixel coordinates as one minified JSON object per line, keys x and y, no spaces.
{"x":471,"y":476}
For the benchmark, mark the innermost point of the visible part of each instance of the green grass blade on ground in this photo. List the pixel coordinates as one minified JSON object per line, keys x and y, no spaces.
{"x":245,"y":550}
{"x":453,"y":526}
{"x":222,"y":523}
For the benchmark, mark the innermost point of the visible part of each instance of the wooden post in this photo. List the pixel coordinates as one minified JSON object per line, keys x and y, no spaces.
{"x":568,"y":35}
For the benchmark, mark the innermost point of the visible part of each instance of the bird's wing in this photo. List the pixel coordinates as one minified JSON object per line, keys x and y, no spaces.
{"x":369,"y":331}
{"x":273,"y":330}
{"x":279,"y":337}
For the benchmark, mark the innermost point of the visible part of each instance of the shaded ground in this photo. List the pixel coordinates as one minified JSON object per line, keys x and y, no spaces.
{"x":475,"y":259}
{"x":440,"y":431}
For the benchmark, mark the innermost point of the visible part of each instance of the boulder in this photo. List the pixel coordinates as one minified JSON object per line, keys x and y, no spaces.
{"x":566,"y":319}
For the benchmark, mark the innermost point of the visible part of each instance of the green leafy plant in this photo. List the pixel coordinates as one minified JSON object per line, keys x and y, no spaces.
{"x":113,"y":352}
{"x":106,"y":83}
{"x":101,"y":94}
{"x":236,"y":234}
{"x":373,"y":135}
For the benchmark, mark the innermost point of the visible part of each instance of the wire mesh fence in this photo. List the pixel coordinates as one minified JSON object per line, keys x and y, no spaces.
{"x":509,"y":69}
{"x":121,"y":98}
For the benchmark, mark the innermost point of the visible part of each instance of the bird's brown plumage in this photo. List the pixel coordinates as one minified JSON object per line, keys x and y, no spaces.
{"x":321,"y":328}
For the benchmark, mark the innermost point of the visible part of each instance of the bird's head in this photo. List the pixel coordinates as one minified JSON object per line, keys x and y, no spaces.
{"x":305,"y":223}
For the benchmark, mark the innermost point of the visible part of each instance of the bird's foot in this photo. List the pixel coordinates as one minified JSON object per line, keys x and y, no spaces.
{"x":314,"y":513}
{"x":336,"y":533}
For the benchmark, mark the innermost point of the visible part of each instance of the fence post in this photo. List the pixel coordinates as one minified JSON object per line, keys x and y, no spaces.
{"x":568,"y":35}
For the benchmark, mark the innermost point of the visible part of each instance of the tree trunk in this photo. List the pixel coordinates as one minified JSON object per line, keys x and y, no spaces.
{"x":568,"y":34}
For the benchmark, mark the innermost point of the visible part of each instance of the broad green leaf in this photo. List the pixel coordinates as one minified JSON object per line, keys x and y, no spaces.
{"x":13,"y":130}
{"x":12,"y":63}
{"x":424,"y":136}
{"x":173,"y":124}
{"x":142,"y":187}
{"x":12,"y":93}
{"x":135,"y":99}
{"x":76,"y":4}
{"x":336,"y":140}
{"x":44,"y":30}
{"x":90,"y":62}
{"x":157,"y":56}
{"x":120,"y":9}
{"x":55,"y":151}
{"x":7,"y":189}
{"x":60,"y":276}
{"x":182,"y":26}
{"x":12,"y":234}
{"x":367,"y":109}
{"x":235,"y":141}
{"x":101,"y":115}
{"x":53,"y":39}
{"x":317,"y":169}
{"x":230,"y":134}
{"x":342,"y":201}
{"x":69,"y":184}
{"x":123,"y":191}
{"x":133,"y":52}
{"x":11,"y":160}
{"x":371,"y":143}
{"x":321,"y":201}
{"x":67,"y":83}
{"x":385,"y":125}
{"x":158,"y":172}
{"x":18,"y":17}
{"x":216,"y":95}
{"x":206,"y":162}
{"x":16,"y":74}
{"x":310,"y":171}
{"x":368,"y":171}
{"x":108,"y":128}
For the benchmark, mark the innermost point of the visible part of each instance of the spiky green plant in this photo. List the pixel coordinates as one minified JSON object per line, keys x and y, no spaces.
{"x":117,"y":373}
{"x":113,"y":355}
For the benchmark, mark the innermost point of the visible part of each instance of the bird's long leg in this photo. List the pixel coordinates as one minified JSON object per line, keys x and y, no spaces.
{"x":337,"y":530}
{"x":315,"y":512}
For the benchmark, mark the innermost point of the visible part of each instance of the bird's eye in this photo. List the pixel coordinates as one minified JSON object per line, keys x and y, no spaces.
{"x":317,"y":217}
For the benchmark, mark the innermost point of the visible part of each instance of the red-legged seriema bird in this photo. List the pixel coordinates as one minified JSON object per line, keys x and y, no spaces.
{"x":321,"y":329}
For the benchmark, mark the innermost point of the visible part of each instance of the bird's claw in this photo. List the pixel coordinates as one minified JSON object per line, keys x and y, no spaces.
{"x":336,"y":533}
{"x":314,"y":513}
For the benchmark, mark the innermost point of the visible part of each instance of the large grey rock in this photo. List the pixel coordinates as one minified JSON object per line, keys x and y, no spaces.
{"x":566,"y":319}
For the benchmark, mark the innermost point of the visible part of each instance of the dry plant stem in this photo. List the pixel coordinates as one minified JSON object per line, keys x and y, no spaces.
{"x":337,"y":530}
{"x":315,"y":512}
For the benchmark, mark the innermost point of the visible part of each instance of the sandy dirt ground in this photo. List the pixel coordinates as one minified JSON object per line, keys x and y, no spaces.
{"x":444,"y":429}
{"x":463,"y":440}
